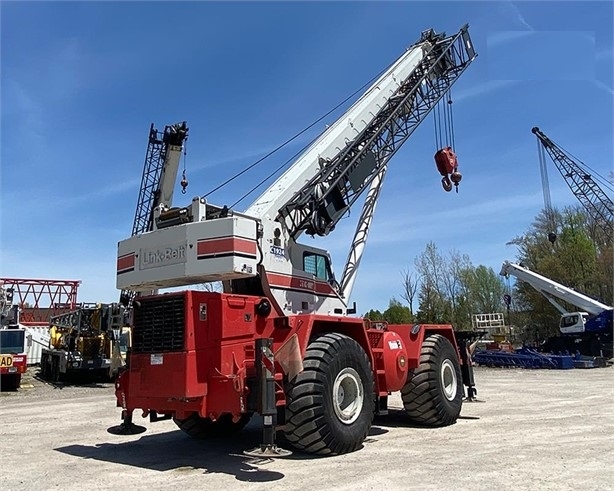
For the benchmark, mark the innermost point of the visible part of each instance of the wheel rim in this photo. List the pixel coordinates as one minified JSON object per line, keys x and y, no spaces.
{"x":348,"y":395}
{"x":449,"y":382}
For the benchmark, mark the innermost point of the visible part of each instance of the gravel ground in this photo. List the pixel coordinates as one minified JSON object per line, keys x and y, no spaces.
{"x":537,"y":429}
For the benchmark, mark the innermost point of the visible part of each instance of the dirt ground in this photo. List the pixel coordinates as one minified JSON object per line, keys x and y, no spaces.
{"x":537,"y":429}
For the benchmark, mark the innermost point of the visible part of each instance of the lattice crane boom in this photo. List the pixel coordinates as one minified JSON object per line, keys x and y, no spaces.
{"x":596,"y":202}
{"x":159,"y":173}
{"x":162,"y":160}
{"x":342,"y":163}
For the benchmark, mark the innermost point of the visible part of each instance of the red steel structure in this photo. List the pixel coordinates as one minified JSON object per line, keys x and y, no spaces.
{"x":39,"y":299}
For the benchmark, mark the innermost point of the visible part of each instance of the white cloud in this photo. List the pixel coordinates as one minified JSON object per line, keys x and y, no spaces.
{"x":603,"y":86}
{"x":502,"y":37}
{"x":519,"y":18}
{"x":110,"y":190}
{"x":483,"y":88}
{"x":21,"y":109}
{"x":65,"y":70}
{"x":604,"y":54}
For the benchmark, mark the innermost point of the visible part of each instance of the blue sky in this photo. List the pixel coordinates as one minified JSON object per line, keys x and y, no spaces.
{"x":81,"y":83}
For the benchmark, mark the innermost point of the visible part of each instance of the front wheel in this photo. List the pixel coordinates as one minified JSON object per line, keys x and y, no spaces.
{"x":433,"y":396}
{"x":10,"y":382}
{"x":330,"y":404}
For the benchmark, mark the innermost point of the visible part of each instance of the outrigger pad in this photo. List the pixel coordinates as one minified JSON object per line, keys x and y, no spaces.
{"x":126,"y":429}
{"x":270,"y":451}
{"x":471,"y":399}
{"x":471,"y":395}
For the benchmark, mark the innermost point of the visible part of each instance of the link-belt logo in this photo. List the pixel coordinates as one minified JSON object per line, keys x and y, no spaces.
{"x":153,"y":258}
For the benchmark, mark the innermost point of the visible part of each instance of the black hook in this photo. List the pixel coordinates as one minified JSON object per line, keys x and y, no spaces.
{"x":184,"y":183}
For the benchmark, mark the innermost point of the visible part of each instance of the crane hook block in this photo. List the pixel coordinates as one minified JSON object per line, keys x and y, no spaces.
{"x":184,"y":183}
{"x":456,"y":178}
{"x":447,"y":165}
{"x":445,"y":182}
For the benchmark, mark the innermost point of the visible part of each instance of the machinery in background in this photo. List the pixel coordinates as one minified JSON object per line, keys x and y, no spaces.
{"x":13,"y":342}
{"x":582,"y":183}
{"x":13,"y":357}
{"x":588,"y":331}
{"x":40,"y":299}
{"x":85,"y":341}
{"x":94,"y":339}
{"x":35,"y":301}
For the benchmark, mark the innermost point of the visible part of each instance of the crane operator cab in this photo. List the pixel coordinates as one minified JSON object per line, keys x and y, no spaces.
{"x":312,"y":284}
{"x":573,"y":322}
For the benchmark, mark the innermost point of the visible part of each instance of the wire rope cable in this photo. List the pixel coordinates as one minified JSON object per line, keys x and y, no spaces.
{"x":290,"y":140}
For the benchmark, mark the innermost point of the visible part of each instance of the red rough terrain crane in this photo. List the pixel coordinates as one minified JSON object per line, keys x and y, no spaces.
{"x":280,"y":339}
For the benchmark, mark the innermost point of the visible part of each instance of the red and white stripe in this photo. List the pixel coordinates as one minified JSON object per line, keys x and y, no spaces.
{"x":297,"y":283}
{"x":125,"y":263}
{"x":225,"y":246}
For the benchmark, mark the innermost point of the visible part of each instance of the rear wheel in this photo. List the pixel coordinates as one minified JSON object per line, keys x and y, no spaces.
{"x":201,"y":428}
{"x":330,"y":404}
{"x":55,"y":369}
{"x":10,"y":381}
{"x":45,"y":370}
{"x":433,"y":396}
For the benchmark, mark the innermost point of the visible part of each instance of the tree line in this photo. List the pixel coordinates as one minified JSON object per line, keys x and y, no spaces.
{"x":447,"y":288}
{"x":566,"y":246}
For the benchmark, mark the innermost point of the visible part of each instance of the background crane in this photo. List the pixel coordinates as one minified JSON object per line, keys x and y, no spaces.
{"x":581,"y":180}
{"x":164,"y":150}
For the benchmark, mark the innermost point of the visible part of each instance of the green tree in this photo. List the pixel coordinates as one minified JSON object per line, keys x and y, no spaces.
{"x":397,"y":313}
{"x":410,"y":289}
{"x":374,"y":315}
{"x":433,"y":306}
{"x":484,"y":289}
{"x":451,"y":289}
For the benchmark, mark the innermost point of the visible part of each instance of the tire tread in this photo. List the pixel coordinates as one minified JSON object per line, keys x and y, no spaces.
{"x":307,"y":427}
{"x":422,"y":398}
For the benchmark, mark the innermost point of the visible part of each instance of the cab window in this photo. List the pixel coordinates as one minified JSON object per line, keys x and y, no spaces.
{"x":12,"y":341}
{"x":316,"y":265}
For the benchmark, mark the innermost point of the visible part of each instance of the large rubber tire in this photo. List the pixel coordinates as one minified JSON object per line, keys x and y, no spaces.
{"x":10,"y":381}
{"x":45,"y":367}
{"x":433,"y":396}
{"x":331,"y":403}
{"x":202,"y":428}
{"x":55,"y":369}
